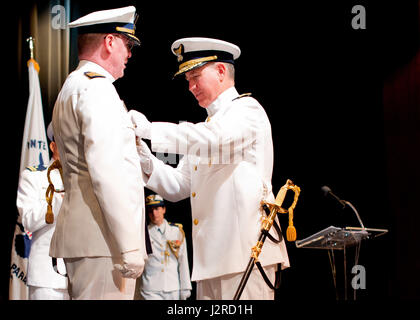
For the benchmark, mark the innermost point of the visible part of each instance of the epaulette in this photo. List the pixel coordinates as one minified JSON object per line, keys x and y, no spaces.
{"x":242,"y":96}
{"x":176,"y":225}
{"x":35,"y":168}
{"x":93,"y":75}
{"x":180,"y":227}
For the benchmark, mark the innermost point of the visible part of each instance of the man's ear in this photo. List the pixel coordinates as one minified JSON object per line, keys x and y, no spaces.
{"x":109,"y":42}
{"x":54,"y":149}
{"x":221,"y":70}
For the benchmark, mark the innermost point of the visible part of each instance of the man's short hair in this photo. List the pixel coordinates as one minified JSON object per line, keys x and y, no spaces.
{"x":89,"y":41}
{"x":231,"y":70}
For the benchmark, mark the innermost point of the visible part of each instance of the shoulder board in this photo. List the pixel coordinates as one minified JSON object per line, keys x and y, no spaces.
{"x":175,"y":225}
{"x":35,"y":168}
{"x":242,"y":96}
{"x":93,"y":75}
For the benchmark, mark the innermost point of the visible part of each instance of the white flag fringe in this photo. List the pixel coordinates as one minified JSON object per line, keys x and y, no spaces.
{"x":34,"y":153}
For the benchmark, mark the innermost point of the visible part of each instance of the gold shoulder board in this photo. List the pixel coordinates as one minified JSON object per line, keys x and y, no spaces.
{"x":93,"y":75}
{"x":242,"y":96}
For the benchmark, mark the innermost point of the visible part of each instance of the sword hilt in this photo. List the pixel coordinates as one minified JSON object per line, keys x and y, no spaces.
{"x":277,"y":208}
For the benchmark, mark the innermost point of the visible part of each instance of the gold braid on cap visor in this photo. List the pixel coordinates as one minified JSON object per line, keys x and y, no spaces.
{"x":190,"y":64}
{"x":121,"y":29}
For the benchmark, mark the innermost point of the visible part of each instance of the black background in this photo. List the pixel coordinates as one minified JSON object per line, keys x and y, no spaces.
{"x":321,"y":83}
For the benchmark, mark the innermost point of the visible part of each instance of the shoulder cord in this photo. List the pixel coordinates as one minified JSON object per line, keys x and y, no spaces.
{"x":175,"y":245}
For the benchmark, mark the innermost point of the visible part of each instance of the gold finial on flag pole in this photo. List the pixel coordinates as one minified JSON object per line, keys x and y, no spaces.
{"x":31,"y":46}
{"x":31,"y":40}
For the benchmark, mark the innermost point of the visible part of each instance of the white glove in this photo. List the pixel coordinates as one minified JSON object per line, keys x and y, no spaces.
{"x":184,"y":294}
{"x":143,"y":127}
{"x":133,"y":264}
{"x":145,"y":156}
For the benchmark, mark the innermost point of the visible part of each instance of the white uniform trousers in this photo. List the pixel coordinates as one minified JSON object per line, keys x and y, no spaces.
{"x":224,"y":287}
{"x":42,"y":293}
{"x":159,"y":295}
{"x":95,"y":278}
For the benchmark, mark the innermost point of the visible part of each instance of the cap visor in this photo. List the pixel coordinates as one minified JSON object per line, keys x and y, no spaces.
{"x":132,"y":37}
{"x":189,"y":68}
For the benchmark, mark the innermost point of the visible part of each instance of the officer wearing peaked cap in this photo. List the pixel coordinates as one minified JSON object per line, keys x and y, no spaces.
{"x":226,"y":171}
{"x":166,"y":274}
{"x":100,"y":231}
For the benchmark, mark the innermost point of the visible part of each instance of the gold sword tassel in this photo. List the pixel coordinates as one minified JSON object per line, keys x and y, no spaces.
{"x":276,"y":207}
{"x":49,"y":194}
{"x":291,"y":230}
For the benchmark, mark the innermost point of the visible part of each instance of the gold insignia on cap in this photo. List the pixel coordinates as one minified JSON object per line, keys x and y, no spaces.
{"x":154,"y":199}
{"x":179,"y":51}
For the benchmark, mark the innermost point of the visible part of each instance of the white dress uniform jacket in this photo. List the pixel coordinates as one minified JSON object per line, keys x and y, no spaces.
{"x":103,"y":210}
{"x":32,"y":206}
{"x":163,"y":271}
{"x":226,"y":171}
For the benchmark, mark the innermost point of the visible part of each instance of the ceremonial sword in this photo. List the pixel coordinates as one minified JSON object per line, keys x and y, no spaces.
{"x":271,"y":210}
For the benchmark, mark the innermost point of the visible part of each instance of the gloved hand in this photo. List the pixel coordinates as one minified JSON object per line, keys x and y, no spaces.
{"x":143,"y":127}
{"x":184,"y":294}
{"x":145,"y":156}
{"x":133,"y":264}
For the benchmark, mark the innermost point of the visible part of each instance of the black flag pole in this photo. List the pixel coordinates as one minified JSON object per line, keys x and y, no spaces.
{"x":272,"y":209}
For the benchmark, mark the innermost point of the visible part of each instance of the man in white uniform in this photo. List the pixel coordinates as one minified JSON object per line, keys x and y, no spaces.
{"x":100,"y":230}
{"x":226,"y":171}
{"x":166,"y":274}
{"x":43,"y":281}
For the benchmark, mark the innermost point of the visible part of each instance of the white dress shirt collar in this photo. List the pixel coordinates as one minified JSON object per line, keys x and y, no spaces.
{"x":161,"y":228}
{"x":225,"y":97}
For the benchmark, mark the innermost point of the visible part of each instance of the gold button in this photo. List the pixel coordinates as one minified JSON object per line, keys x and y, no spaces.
{"x":195,"y":168}
{"x":193,"y":194}
{"x":208,"y":119}
{"x":195,"y":221}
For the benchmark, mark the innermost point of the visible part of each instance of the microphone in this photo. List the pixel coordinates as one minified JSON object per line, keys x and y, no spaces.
{"x":327,"y":191}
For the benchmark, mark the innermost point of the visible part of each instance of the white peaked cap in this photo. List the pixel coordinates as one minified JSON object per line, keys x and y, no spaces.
{"x":126,"y":15}
{"x":200,"y":44}
{"x":121,"y":20}
{"x":195,"y":52}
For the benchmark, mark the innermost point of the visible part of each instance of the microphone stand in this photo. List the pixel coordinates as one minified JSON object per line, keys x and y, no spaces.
{"x":355,"y":211}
